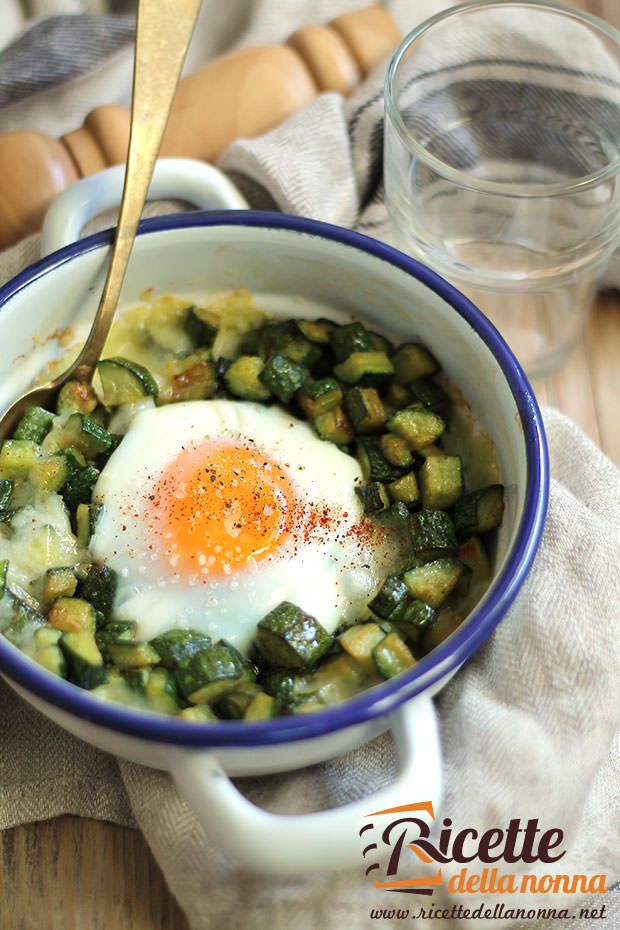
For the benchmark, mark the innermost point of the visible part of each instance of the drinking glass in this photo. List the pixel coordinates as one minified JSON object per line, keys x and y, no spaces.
{"x":502,"y":158}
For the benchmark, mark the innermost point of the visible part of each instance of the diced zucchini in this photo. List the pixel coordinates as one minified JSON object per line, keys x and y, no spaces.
{"x":132,"y":654}
{"x":348,"y":339}
{"x":301,"y":351}
{"x":417,"y":425}
{"x":81,"y":433}
{"x":431,"y":451}
{"x":320,"y":396}
{"x":392,"y":656}
{"x":51,"y":658}
{"x":191,"y":378}
{"x":445,"y":625}
{"x":359,"y":641}
{"x":432,"y":534}
{"x":412,"y":361}
{"x":136,"y":678}
{"x":112,"y":632}
{"x":480,"y":511}
{"x":242,"y":378}
{"x":49,"y":474}
{"x":45,"y":636}
{"x":283,"y":377}
{"x":234,"y":703}
{"x":289,"y":638}
{"x":391,"y":595}
{"x":396,"y":450}
{"x":405,"y":489}
{"x":271,"y":337}
{"x":433,"y":582}
{"x":397,"y":515}
{"x":177,"y":647}
{"x":365,"y":409}
{"x":334,"y":426}
{"x":71,"y":614}
{"x":380,"y":343}
{"x":398,"y":396}
{"x":199,"y":713}
{"x":17,"y":457}
{"x":82,"y":524}
{"x":473,"y":555}
{"x":367,"y":367}
{"x":261,"y":707}
{"x":441,"y":481}
{"x":76,"y":397}
{"x":318,"y":331}
{"x":99,"y":588}
{"x":373,"y":496}
{"x":201,"y":326}
{"x":34,"y":425}
{"x":211,"y":672}
{"x":414,"y":620}
{"x":161,"y":692}
{"x":374,"y":466}
{"x":124,"y":381}
{"x":84,"y":661}
{"x":336,"y":679}
{"x":430,"y":395}
{"x":6,"y":493}
{"x":80,"y":480}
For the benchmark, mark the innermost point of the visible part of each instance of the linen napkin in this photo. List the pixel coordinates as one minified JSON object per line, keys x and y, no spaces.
{"x":530,"y":727}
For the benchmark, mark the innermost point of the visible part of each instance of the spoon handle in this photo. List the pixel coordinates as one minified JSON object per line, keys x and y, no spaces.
{"x":163,"y":33}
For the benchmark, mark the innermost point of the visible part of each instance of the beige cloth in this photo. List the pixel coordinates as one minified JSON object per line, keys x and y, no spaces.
{"x":530,"y":727}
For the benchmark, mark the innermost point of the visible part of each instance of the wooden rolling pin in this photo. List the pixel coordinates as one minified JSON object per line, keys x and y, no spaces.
{"x":241,"y":94}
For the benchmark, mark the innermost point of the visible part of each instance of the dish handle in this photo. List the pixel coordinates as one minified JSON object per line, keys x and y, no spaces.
{"x":293,"y":844}
{"x":177,"y":178}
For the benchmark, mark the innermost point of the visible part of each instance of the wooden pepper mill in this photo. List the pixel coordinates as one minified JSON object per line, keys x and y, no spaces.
{"x":241,"y":94}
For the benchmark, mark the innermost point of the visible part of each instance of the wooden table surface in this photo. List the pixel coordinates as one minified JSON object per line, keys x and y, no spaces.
{"x":74,"y":874}
{"x":120,"y":885}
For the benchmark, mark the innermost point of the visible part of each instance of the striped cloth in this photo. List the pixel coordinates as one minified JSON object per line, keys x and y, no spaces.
{"x":530,"y":726}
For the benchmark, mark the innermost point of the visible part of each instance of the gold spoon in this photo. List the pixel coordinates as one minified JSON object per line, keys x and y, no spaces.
{"x":163,"y":32}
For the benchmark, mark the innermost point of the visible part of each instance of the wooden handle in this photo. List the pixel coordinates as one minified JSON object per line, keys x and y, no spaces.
{"x":241,"y":94}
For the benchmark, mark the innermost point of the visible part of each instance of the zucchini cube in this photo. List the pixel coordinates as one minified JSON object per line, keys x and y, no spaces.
{"x":417,"y":425}
{"x":480,"y":511}
{"x":128,"y":654}
{"x":177,"y":647}
{"x":79,"y":481}
{"x":350,"y":338}
{"x":76,"y":397}
{"x":211,"y":672}
{"x":124,"y":381}
{"x":320,"y":396}
{"x":432,"y":534}
{"x":242,"y":378}
{"x":72,"y":614}
{"x":441,"y":481}
{"x":334,"y":426}
{"x":412,"y":361}
{"x":405,"y":489}
{"x":366,"y":367}
{"x":283,"y":377}
{"x":374,"y":466}
{"x":84,"y":661}
{"x":99,"y":588}
{"x":434,"y":581}
{"x":365,"y":409}
{"x":290,"y":638}
{"x":373,"y":496}
{"x":391,"y":595}
{"x":34,"y":425}
{"x":392,"y":656}
{"x":6,"y":493}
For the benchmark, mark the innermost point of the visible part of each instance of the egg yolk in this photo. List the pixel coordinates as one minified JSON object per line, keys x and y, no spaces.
{"x":223,"y":506}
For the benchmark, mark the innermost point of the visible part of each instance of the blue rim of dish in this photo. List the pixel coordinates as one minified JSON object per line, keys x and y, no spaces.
{"x":447,"y":657}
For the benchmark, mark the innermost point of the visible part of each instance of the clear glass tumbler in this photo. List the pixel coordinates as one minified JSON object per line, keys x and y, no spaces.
{"x":502,"y":161}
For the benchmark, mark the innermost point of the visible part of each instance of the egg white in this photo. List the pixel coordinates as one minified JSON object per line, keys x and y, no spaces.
{"x":330,"y":577}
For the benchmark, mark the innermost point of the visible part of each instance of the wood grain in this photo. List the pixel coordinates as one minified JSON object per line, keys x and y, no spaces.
{"x":72,"y":874}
